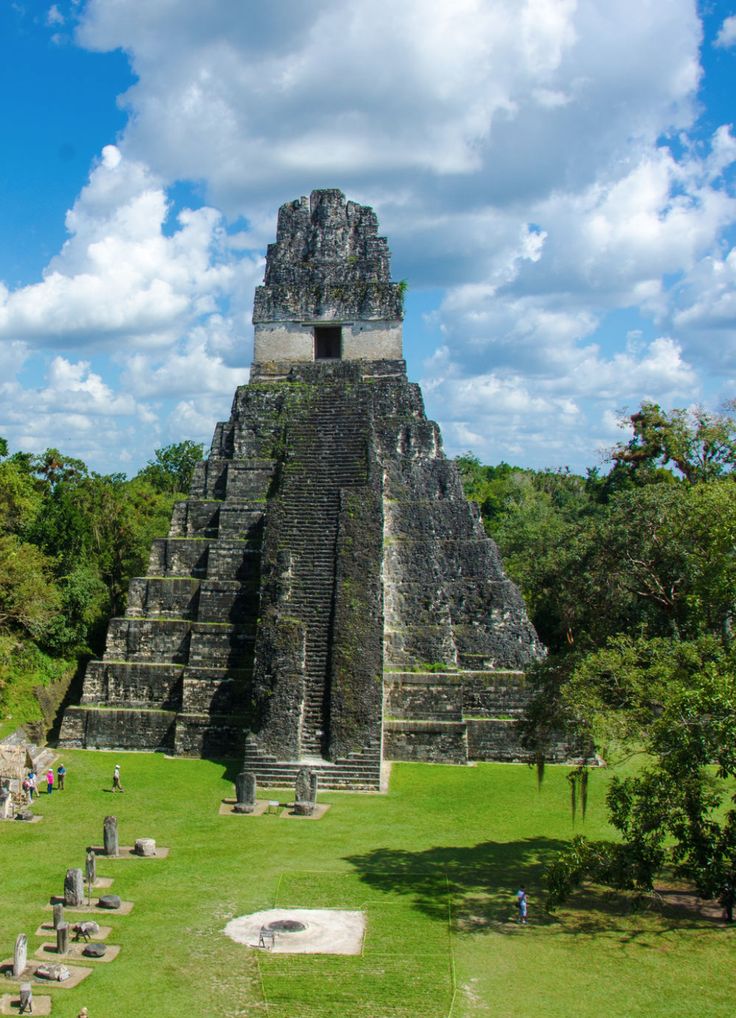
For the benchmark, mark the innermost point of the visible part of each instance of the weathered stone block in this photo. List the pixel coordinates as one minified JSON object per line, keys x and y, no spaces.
{"x":167,"y":597}
{"x":426,"y":741}
{"x":179,"y":556}
{"x":133,"y":684}
{"x":423,"y":697}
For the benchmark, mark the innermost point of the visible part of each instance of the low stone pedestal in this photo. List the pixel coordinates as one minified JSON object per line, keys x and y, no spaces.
{"x":111,"y":902}
{"x":10,"y":1004}
{"x":230,"y":807}
{"x":95,"y":953}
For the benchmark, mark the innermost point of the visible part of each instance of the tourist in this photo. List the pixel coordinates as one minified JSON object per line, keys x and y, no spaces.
{"x":49,"y":781}
{"x":522,"y":904}
{"x":32,"y":784}
{"x":116,"y":786}
{"x":60,"y":775}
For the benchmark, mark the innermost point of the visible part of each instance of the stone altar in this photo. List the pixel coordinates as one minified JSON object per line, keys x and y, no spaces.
{"x":326,"y":570}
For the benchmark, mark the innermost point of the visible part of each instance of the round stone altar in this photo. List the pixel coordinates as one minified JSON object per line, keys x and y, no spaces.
{"x":302,"y":930}
{"x":109,"y":901}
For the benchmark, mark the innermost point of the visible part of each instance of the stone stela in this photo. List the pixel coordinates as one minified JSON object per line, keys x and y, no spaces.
{"x":110,"y":836}
{"x":245,"y":792}
{"x":326,"y":571}
{"x":73,"y":889}
{"x":305,"y":792}
{"x":90,"y":868}
{"x":20,"y":955}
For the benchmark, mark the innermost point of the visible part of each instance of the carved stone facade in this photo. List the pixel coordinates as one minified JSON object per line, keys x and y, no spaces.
{"x":326,"y":595}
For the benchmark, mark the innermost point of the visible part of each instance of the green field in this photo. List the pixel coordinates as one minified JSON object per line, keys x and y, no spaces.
{"x":434,"y":863}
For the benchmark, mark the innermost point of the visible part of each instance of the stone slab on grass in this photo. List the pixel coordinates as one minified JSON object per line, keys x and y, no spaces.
{"x":320,"y":809}
{"x":10,"y":1002}
{"x":47,"y":952}
{"x":129,"y":852}
{"x":125,"y":908}
{"x":227,"y":808}
{"x":76,"y":974}
{"x":21,"y":823}
{"x":45,"y":928}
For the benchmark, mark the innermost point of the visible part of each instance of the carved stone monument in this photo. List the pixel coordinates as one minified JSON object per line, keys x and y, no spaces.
{"x":326,"y":557}
{"x":62,"y":938}
{"x":305,"y":792}
{"x":6,"y":802}
{"x":90,"y":868}
{"x":145,"y":847}
{"x":85,"y":930}
{"x":58,"y":911}
{"x":110,"y":836}
{"x":73,"y":888}
{"x":20,"y":955}
{"x":26,"y":999}
{"x":55,"y":973}
{"x":245,"y":792}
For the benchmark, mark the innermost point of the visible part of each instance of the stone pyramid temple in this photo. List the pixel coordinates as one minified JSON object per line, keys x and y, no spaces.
{"x":326,"y":595}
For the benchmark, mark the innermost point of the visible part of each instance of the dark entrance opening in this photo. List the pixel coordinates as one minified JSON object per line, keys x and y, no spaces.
{"x":327,"y":342}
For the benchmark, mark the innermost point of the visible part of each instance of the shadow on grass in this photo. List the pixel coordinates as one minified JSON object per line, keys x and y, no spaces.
{"x":482,"y":880}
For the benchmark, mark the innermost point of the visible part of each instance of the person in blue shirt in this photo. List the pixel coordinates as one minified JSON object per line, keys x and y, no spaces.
{"x":521,"y":903}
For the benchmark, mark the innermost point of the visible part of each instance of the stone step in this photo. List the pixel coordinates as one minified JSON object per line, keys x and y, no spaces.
{"x":178,"y":641}
{"x":285,"y":776}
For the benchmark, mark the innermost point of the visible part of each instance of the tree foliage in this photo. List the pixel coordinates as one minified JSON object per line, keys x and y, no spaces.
{"x":70,"y":540}
{"x":700,"y":445}
{"x":675,"y":701}
{"x":630,"y":579}
{"x":172,"y":468}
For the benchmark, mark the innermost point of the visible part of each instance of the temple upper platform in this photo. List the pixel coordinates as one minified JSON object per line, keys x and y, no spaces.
{"x":327,"y":293}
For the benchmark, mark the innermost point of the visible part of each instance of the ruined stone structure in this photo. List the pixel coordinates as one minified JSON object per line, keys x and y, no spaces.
{"x":326,"y":596}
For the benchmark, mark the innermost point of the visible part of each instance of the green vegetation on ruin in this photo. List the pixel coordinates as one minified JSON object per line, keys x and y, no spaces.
{"x":435,"y":864}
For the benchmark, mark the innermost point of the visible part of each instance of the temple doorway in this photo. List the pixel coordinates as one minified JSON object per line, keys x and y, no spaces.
{"x":327,"y":342}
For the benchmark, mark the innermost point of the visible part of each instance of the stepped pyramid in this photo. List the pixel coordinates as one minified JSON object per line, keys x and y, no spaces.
{"x":326,"y":595}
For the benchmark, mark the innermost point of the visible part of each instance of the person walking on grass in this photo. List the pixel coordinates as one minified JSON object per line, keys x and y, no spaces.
{"x":60,"y":775}
{"x":521,"y":904}
{"x":49,"y":781}
{"x":116,"y":786}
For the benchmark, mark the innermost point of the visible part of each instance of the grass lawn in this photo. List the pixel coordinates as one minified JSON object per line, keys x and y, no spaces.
{"x":435,"y":864}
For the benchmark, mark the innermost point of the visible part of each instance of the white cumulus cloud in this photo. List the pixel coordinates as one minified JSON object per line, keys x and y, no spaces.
{"x":727,"y":33}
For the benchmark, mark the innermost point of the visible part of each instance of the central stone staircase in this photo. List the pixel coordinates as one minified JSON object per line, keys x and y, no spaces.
{"x":326,"y":457}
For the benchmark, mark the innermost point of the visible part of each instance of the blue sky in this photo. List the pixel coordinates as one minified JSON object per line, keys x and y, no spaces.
{"x":556,"y":180}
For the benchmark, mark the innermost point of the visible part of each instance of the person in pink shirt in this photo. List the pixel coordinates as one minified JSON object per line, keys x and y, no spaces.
{"x":49,"y":781}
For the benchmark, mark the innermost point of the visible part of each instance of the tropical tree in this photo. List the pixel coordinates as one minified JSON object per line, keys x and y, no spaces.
{"x":699,"y":444}
{"x":29,"y":599}
{"x":674,"y":702}
{"x":172,"y":468}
